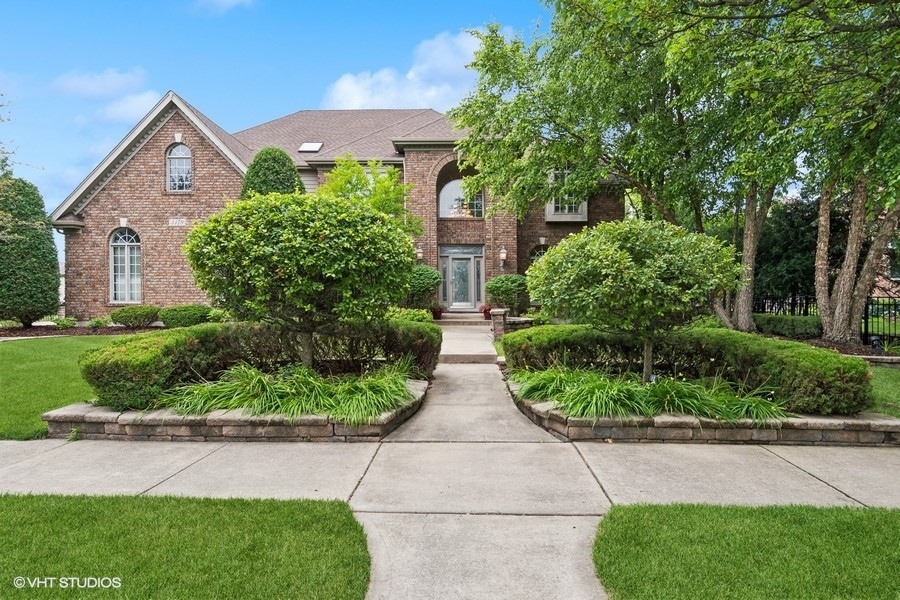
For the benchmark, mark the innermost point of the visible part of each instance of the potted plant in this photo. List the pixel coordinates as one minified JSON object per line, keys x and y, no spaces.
{"x":486,"y":311}
{"x":437,"y":310}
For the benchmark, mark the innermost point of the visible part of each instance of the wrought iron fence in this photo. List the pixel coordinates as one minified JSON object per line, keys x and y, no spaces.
{"x":881,"y":317}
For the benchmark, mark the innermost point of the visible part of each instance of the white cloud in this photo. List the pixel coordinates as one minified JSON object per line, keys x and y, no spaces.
{"x":110,"y":82}
{"x":221,"y":6}
{"x":131,"y":108}
{"x":437,"y":79}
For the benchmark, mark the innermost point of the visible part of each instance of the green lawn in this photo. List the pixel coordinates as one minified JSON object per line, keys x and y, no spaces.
{"x":696,"y":552}
{"x":886,"y":389}
{"x":182,"y":548}
{"x":38,"y":375}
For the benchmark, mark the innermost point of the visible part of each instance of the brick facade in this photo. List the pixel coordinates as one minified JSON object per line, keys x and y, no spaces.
{"x":138,"y":193}
{"x":130,"y":191}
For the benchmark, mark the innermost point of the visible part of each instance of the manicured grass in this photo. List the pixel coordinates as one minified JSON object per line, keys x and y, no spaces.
{"x":183,"y":548}
{"x":797,"y":552}
{"x":38,"y":375}
{"x":886,"y":390}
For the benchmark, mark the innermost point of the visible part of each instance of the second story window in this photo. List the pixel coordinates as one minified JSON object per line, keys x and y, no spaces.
{"x":564,"y":207}
{"x":178,"y":168}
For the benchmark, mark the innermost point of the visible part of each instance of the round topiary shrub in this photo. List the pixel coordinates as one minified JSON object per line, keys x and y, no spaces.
{"x":184,"y":315}
{"x":423,"y":283}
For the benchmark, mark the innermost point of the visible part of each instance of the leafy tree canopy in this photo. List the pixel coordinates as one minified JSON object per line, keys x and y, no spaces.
{"x":271,"y":170}
{"x":639,"y":277}
{"x":378,"y":185}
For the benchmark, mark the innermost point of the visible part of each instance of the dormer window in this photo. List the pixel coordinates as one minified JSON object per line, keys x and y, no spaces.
{"x":178,"y":168}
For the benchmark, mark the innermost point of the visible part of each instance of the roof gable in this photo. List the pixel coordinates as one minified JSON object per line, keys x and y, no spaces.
{"x":227,"y":145}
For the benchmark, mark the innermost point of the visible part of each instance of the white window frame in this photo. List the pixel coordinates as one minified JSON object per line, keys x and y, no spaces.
{"x":125,"y":245}
{"x":560,"y":208}
{"x":181,"y":165}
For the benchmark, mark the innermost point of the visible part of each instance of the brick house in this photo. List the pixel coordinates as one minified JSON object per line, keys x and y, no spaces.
{"x":125,"y":224}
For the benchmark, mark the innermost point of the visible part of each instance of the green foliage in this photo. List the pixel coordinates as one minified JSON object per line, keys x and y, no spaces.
{"x":294,"y":392}
{"x":133,"y":317}
{"x":134,"y":371}
{"x":420,"y":342}
{"x":803,"y":378}
{"x":419,"y":315}
{"x":703,"y":552}
{"x":219,"y":315}
{"x":29,"y":268}
{"x":184,"y":315}
{"x":271,"y":170}
{"x":381,"y":187}
{"x":508,"y":291}
{"x":63,"y":322}
{"x":797,"y":328}
{"x":423,"y":283}
{"x":98,"y":322}
{"x":305,"y":261}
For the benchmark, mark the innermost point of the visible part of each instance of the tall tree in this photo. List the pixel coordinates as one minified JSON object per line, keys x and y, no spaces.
{"x":29,"y":267}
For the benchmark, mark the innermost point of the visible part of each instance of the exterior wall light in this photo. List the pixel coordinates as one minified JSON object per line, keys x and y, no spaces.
{"x":420,"y":254}
{"x":502,"y":256}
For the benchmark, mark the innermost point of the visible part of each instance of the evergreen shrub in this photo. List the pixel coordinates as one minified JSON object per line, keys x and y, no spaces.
{"x":184,"y":315}
{"x":797,"y":328}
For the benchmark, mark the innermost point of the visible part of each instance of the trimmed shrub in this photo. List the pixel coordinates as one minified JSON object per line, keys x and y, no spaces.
{"x":135,"y":371}
{"x":184,"y":315}
{"x":423,"y":283}
{"x":806,"y":379}
{"x":132,"y":372}
{"x":271,"y":170}
{"x":139,"y":315}
{"x":508,"y":291}
{"x":421,"y":342}
{"x":797,"y":328}
{"x":63,"y":322}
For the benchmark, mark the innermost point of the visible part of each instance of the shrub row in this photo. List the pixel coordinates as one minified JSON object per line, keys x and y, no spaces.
{"x":134,"y":371}
{"x":806,"y":379}
{"x":184,"y":315}
{"x":797,"y":328}
{"x":138,"y":315}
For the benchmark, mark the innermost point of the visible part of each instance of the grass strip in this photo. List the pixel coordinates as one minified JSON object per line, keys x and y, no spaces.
{"x":886,"y":390}
{"x":163,"y":547}
{"x":720,"y":552}
{"x":40,"y":375}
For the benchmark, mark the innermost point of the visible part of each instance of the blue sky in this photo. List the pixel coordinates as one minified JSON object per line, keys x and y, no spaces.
{"x":77,"y":76}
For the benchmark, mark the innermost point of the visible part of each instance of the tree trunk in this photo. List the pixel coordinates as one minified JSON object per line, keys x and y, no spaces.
{"x":648,"y":360}
{"x":823,"y":240}
{"x":874,"y":259}
{"x":307,"y":357}
{"x":755,"y":213}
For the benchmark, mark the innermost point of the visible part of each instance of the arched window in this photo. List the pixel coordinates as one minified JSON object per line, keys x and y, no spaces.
{"x":452,"y":202}
{"x":125,"y":266}
{"x":178,"y":168}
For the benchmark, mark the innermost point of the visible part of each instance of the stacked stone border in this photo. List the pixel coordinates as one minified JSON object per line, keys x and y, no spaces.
{"x":866,"y":429}
{"x":90,"y":422}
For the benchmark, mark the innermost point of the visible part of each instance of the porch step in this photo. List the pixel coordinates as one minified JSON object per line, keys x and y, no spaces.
{"x":463,"y":319}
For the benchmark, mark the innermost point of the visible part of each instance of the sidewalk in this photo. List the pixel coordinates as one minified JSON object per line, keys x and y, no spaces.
{"x":468,"y":499}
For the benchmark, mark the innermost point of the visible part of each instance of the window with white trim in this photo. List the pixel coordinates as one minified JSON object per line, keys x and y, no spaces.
{"x":125,"y":266}
{"x":178,"y":168}
{"x":452,"y":202}
{"x":564,"y":207}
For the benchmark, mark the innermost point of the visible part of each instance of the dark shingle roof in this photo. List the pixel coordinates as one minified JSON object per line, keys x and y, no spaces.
{"x":366,"y":133}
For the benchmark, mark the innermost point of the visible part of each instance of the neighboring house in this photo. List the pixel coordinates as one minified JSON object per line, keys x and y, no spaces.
{"x":126,"y":223}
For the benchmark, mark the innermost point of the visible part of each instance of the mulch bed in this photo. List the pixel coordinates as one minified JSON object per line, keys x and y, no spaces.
{"x":48,"y":330}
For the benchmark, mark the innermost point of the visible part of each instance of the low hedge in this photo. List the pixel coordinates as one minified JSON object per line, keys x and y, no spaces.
{"x":139,"y":315}
{"x":796,"y":328}
{"x":184,"y":315}
{"x":132,"y":372}
{"x":806,"y":379}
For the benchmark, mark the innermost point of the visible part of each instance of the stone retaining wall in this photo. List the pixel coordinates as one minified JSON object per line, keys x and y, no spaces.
{"x":866,"y":429}
{"x":87,"y":421}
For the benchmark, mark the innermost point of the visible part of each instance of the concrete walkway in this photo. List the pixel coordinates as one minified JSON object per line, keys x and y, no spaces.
{"x":468,"y":499}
